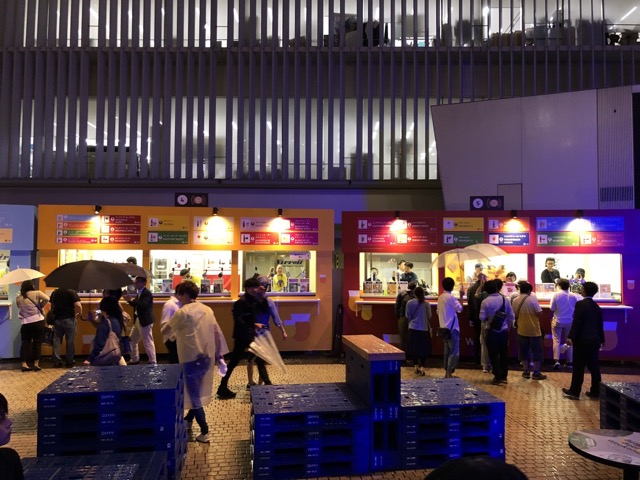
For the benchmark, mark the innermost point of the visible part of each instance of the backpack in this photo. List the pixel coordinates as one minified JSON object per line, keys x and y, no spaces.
{"x":110,"y":353}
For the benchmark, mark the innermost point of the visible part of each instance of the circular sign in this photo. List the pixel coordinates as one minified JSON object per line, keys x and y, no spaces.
{"x":182,"y":199}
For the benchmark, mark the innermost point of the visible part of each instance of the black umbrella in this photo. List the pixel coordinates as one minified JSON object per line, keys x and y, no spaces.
{"x":88,"y":275}
{"x":134,"y":270}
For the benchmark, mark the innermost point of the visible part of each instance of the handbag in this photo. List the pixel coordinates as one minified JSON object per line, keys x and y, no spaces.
{"x":497,"y":322}
{"x":110,"y":353}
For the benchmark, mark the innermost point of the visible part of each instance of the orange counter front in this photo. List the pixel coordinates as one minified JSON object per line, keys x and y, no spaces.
{"x":76,"y":232}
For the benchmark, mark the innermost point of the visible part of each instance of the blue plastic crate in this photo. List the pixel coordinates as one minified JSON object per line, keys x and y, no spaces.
{"x":264,"y":439}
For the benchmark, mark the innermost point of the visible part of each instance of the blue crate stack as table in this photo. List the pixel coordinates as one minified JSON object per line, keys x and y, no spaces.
{"x":112,"y":410}
{"x":373,"y":422}
{"x":123,"y":466}
{"x":620,"y":406}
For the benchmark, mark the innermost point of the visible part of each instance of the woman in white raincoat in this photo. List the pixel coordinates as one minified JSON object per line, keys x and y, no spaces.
{"x":199,"y":339}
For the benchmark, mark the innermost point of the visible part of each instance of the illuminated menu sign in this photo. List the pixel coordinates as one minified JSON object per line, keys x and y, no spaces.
{"x":77,"y":229}
{"x":120,"y":229}
{"x":213,"y":230}
{"x":375,"y":233}
{"x":586,"y":232}
{"x":462,"y":231}
{"x":279,"y":231}
{"x":168,"y":230}
{"x":512,"y":232}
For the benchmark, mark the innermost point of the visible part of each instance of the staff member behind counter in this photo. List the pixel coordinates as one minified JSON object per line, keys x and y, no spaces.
{"x":550,"y":274}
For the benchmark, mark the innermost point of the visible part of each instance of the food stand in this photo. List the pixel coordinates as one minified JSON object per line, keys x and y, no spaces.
{"x":601,"y":242}
{"x":218,"y":248}
{"x":17,"y":240}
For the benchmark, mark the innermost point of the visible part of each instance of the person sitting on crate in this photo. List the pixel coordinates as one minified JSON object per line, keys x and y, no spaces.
{"x":193,"y":327}
{"x":10,"y":465}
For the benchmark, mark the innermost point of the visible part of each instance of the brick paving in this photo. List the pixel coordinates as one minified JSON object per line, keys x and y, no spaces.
{"x":538,"y":421}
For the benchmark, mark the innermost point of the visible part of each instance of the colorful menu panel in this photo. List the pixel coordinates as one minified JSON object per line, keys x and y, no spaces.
{"x":558,"y":239}
{"x":495,"y":224}
{"x":168,"y":238}
{"x":462,"y":231}
{"x":379,"y":232}
{"x":213,"y":230}
{"x":77,"y":229}
{"x":279,"y":231}
{"x":168,"y":222}
{"x":120,"y":229}
{"x":510,"y":239}
{"x":587,"y":232}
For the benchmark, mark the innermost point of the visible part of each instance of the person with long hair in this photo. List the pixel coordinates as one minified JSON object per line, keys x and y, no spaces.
{"x":30,"y":303}
{"x":111,"y":312}
{"x":10,"y":465}
{"x":418,"y":312}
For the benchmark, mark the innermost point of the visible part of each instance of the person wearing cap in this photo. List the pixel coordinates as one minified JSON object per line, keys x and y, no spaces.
{"x":266,"y":310}
{"x":478,"y":269}
{"x":143,"y":319}
{"x":248,"y":311}
{"x":549,"y":274}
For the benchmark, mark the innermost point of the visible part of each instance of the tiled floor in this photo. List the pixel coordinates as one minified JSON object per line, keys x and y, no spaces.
{"x":538,"y":423}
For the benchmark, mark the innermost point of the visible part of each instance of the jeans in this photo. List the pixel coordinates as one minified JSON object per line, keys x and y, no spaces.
{"x":65,"y":327}
{"x":451,"y":352}
{"x":201,"y":419}
{"x":146,"y":335}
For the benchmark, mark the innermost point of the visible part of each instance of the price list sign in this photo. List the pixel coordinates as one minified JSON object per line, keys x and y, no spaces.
{"x":512,"y":232}
{"x":120,"y":229}
{"x":77,"y":229}
{"x":279,"y":231}
{"x":377,"y":233}
{"x":585,"y":232}
{"x":168,"y":230}
{"x":462,"y":231}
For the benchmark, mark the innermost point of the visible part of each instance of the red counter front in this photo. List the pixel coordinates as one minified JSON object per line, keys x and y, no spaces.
{"x":540,"y":234}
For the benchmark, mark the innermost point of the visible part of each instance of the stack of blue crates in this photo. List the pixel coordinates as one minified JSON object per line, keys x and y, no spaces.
{"x":123,"y":466}
{"x":108,"y":410}
{"x":373,"y":372}
{"x":620,"y":406}
{"x":449,"y":418}
{"x":314,"y":430}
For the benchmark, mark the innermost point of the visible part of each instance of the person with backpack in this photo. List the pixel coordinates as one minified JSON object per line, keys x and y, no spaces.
{"x":403,"y":323}
{"x":497,"y":317}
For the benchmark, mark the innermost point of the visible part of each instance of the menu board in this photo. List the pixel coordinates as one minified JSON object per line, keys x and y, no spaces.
{"x":462,"y":231}
{"x":77,"y":229}
{"x":511,"y":232}
{"x":377,"y":233}
{"x":279,"y":231}
{"x":213,"y":230}
{"x":120,"y":229}
{"x":587,"y":232}
{"x":168,"y":230}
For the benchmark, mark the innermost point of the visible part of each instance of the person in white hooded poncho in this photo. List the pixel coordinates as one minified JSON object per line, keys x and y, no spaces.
{"x":199,"y":343}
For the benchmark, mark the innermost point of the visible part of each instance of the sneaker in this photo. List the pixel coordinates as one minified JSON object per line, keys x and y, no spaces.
{"x":556,"y":366}
{"x":592,"y":396}
{"x":504,"y":381}
{"x":567,"y":394}
{"x":496,"y":381}
{"x":203,"y":438}
{"x":538,"y":376}
{"x":486,"y":369}
{"x":526,"y":374}
{"x":225,"y":393}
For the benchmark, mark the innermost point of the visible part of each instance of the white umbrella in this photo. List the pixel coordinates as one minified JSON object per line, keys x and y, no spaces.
{"x":455,"y":258}
{"x":19,"y":275}
{"x":486,"y":249}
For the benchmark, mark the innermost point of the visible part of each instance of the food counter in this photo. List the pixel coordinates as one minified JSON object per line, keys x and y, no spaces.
{"x":602,"y":243}
{"x":216,"y":248}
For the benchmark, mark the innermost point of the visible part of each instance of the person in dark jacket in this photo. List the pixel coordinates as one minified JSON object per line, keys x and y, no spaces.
{"x":143,"y":318}
{"x":400,"y":308}
{"x":245,"y":316}
{"x":587,"y":337}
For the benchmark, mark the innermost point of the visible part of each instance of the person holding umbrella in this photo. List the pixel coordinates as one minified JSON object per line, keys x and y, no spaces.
{"x":30,"y":303}
{"x":142,"y":304}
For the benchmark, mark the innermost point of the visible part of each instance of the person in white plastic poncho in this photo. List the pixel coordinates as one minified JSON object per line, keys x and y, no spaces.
{"x":200,"y":343}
